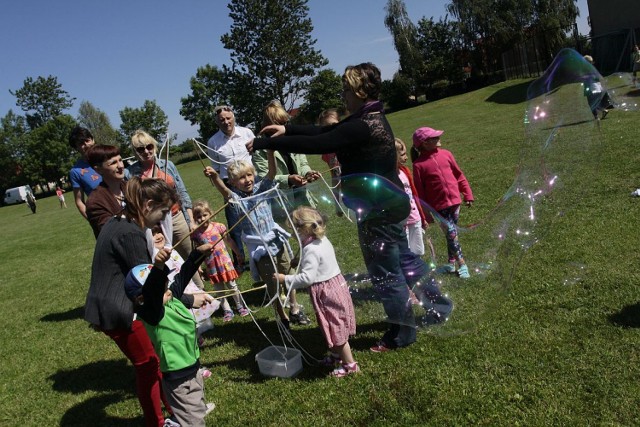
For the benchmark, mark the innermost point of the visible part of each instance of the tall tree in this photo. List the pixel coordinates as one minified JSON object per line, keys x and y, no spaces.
{"x":48,"y":157}
{"x":13,"y":132}
{"x":325,"y":91}
{"x":150,"y":118}
{"x":42,"y":100}
{"x":405,"y":40}
{"x":209,"y":87}
{"x":272,"y":51}
{"x":98,"y":123}
{"x":440,"y":47}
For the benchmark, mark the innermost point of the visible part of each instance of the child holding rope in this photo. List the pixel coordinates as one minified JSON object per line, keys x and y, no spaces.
{"x":220,"y":268}
{"x":328,"y":290}
{"x":267,"y":242}
{"x":172,"y":330}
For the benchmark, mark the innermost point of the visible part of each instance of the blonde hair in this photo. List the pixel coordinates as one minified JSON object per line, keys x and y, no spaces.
{"x":141,"y":138}
{"x":138,"y":192}
{"x":327,"y":114}
{"x":309,"y":221}
{"x":274,"y":114}
{"x":364,"y":80}
{"x":201,"y":206}
{"x":237,"y":168}
{"x":400,"y":144}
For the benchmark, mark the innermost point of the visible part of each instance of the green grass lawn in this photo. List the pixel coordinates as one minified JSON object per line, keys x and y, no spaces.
{"x":542,"y":336}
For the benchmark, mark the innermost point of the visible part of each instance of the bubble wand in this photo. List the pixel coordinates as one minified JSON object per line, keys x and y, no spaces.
{"x":193,"y":231}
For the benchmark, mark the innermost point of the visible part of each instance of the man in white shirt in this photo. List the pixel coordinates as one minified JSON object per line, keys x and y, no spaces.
{"x":226,"y":146}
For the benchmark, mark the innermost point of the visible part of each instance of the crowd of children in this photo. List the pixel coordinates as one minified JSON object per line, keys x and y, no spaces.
{"x":158,"y":289}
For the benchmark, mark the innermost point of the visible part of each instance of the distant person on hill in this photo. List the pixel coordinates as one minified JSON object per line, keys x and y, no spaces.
{"x":84,"y":179}
{"x":60,"y":195}
{"x":440,"y":181}
{"x":597,"y":97}
{"x":328,"y":118}
{"x":31,"y":201}
{"x":635,"y":63}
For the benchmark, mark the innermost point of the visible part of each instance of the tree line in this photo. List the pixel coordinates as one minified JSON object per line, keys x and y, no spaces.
{"x":274,"y":57}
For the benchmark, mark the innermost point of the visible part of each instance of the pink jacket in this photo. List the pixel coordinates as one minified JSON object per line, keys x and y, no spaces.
{"x":439,"y":180}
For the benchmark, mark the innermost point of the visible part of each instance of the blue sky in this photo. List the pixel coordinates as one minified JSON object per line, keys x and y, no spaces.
{"x":119,"y":53}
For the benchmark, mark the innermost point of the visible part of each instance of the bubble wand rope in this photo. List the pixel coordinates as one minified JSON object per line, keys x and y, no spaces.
{"x":166,"y":162}
{"x":197,"y":228}
{"x":225,"y":234}
{"x":230,"y":294}
{"x":329,"y":170}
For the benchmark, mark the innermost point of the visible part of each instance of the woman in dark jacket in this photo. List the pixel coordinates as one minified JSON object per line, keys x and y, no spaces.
{"x":365,"y":147}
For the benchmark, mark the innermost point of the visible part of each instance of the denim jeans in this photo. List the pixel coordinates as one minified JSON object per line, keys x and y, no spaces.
{"x":393,"y":268}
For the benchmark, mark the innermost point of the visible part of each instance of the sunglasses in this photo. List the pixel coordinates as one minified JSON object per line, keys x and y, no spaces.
{"x":148,"y":147}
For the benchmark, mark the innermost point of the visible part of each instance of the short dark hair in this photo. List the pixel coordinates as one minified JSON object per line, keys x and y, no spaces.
{"x":98,"y":154}
{"x":79,"y":135}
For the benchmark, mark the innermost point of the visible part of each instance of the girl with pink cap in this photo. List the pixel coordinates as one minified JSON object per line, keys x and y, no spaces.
{"x":440,"y":181}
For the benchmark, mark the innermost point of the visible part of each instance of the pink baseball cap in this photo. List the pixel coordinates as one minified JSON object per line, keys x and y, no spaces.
{"x":421,"y":135}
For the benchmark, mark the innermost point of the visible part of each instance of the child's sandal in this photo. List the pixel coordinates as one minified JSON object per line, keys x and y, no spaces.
{"x":331,"y":360}
{"x":345,"y":369}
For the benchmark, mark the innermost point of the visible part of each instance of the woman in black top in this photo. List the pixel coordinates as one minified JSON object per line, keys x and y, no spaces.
{"x":122,"y":245}
{"x":364,"y":144}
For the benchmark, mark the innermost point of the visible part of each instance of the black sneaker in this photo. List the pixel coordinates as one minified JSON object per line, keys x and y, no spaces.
{"x":299,"y":318}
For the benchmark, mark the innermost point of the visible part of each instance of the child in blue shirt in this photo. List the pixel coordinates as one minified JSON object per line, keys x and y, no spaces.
{"x":267,"y":242}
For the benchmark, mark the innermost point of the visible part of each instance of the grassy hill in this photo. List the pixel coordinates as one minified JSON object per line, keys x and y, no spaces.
{"x":541,"y":335}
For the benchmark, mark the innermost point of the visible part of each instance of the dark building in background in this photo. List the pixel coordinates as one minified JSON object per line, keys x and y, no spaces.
{"x":615,"y":29}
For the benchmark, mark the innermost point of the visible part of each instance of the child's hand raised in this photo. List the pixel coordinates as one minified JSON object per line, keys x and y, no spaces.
{"x":210,"y":172}
{"x":162,"y":256}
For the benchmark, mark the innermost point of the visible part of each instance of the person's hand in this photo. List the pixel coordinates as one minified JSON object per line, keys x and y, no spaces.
{"x":162,"y":256}
{"x":312,"y":176}
{"x":249,"y":145}
{"x":200,"y":299}
{"x":210,"y":172}
{"x":274,"y":130}
{"x":207,"y":247}
{"x":279,"y":277}
{"x":469,"y":203}
{"x":296,"y":181}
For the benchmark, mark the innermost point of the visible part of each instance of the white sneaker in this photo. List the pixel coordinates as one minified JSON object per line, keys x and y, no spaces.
{"x":168,"y":422}
{"x":210,"y":407}
{"x":636,"y":193}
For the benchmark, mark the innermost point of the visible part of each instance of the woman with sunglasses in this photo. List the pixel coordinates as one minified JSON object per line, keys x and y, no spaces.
{"x":149,"y":166}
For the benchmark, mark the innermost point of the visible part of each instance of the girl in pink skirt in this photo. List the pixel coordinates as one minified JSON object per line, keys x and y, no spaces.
{"x":328,"y":290}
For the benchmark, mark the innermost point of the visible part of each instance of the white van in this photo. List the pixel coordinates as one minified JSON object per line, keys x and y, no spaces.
{"x":17,"y":195}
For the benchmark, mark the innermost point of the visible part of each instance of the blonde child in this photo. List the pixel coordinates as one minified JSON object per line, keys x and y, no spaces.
{"x":440,"y":181}
{"x":266,"y":241}
{"x":327,"y":118}
{"x":219,"y":265}
{"x":328,"y":290}
{"x":417,"y":221}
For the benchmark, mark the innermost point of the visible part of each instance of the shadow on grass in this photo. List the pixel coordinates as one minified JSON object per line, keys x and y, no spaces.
{"x":105,"y":375}
{"x":92,"y":412}
{"x":73,"y":314}
{"x":115,"y":378}
{"x":510,"y":95}
{"x":628,"y":317}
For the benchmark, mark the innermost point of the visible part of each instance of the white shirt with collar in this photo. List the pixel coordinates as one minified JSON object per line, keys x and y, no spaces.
{"x":225,"y":149}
